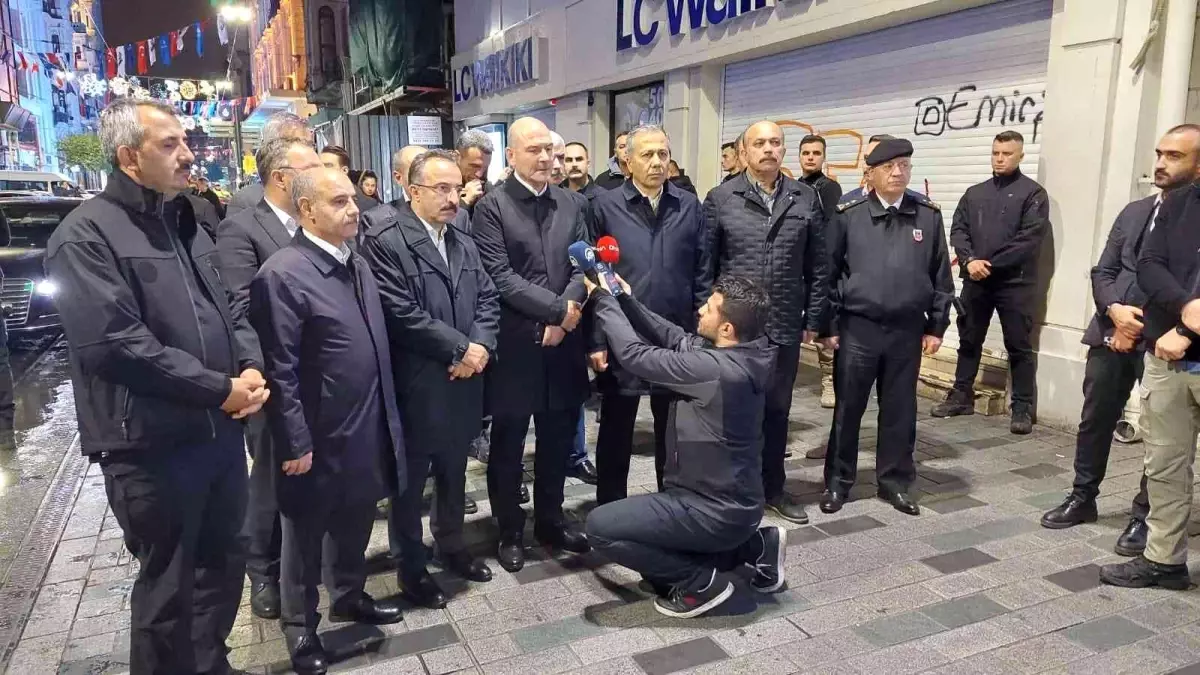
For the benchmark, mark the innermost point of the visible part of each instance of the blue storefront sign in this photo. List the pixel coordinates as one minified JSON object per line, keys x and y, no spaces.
{"x":639,"y":22}
{"x":515,"y":65}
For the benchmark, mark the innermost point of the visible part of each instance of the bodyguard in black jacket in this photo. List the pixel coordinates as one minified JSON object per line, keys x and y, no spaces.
{"x":770,"y":228}
{"x":706,"y":517}
{"x":661,"y":231}
{"x":442,"y":312}
{"x":891,"y":303}
{"x":162,"y":372}
{"x":997,"y":235}
{"x":523,"y":229}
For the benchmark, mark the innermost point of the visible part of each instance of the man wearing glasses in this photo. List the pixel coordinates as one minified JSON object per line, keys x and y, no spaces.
{"x":245,"y":240}
{"x":891,"y":299}
{"x":442,"y":313}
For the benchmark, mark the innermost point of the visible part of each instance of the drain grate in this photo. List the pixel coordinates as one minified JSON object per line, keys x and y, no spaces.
{"x":19,"y":590}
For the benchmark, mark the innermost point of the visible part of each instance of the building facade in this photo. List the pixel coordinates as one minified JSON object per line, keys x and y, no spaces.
{"x":300,"y":55}
{"x":1079,"y":79}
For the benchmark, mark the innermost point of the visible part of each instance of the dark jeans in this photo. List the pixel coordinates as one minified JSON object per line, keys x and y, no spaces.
{"x":869,"y":354}
{"x":1107,"y":381}
{"x":614,"y":444}
{"x":181,"y":509}
{"x":327,"y":541}
{"x":263,"y":534}
{"x":775,"y":418}
{"x":448,"y":465}
{"x":669,"y":538}
{"x":1013,"y":302}
{"x":555,"y":433}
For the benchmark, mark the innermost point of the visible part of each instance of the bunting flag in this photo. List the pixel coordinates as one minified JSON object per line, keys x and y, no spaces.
{"x":143,"y":59}
{"x":120,"y":54}
{"x":222,"y":30}
{"x":131,"y":59}
{"x":199,"y":39}
{"x":110,"y":63}
{"x":176,"y":44}
{"x":152,"y":50}
{"x":164,"y":50}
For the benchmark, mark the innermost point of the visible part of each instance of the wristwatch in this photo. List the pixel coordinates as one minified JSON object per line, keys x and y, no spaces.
{"x":460,"y":352}
{"x":1186,"y":332}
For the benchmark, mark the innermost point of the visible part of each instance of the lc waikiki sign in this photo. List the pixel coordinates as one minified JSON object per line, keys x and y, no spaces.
{"x":519,"y":63}
{"x":639,"y":23}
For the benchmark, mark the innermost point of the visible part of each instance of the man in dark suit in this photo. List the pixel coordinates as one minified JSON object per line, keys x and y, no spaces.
{"x":244,"y":242}
{"x":279,"y":125}
{"x":335,"y":423}
{"x":442,"y":312}
{"x":523,"y":230}
{"x":1116,"y":351}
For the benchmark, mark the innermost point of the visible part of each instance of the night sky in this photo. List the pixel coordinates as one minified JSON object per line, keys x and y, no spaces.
{"x":127,"y":21}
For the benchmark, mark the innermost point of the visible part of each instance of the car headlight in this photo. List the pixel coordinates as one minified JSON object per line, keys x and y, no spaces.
{"x":46,"y":287}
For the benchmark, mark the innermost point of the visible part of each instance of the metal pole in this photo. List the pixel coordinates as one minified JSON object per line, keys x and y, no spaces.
{"x":237,"y":123}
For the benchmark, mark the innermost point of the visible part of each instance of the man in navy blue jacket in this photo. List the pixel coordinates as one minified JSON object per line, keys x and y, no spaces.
{"x":661,"y":231}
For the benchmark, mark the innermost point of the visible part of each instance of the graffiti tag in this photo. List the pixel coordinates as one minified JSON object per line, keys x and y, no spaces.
{"x":935,"y":116}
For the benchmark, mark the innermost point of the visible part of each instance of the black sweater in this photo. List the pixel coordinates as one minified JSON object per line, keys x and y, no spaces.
{"x":1166,"y":268}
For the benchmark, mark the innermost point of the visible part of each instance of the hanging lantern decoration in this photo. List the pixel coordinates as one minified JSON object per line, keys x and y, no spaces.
{"x":188,"y":90}
{"x":90,"y":85}
{"x":225,"y":112}
{"x":189,"y":123}
{"x":174,"y":97}
{"x":207,"y":88}
{"x":171,"y":85}
{"x":119,"y":86}
{"x":141,"y":94}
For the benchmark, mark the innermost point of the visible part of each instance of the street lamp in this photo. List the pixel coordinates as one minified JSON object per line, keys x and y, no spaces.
{"x":237,"y":14}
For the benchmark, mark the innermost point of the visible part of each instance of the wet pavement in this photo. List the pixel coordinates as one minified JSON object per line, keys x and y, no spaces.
{"x":973,"y":585}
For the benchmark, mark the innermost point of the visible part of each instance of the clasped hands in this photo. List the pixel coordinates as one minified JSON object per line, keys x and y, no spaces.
{"x":1172,"y":346}
{"x":472,"y":363}
{"x":247,"y":395}
{"x":553,"y":336}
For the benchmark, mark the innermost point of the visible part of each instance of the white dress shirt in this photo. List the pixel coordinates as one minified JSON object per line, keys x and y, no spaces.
{"x":887,"y":205}
{"x":653,"y":199}
{"x":438,"y":237}
{"x":340,"y":253}
{"x":289,"y":223}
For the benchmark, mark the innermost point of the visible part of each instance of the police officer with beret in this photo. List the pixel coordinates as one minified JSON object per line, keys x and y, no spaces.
{"x":891,"y":304}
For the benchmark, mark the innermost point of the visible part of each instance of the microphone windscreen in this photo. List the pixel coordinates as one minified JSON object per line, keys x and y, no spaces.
{"x":610,"y":251}
{"x":583,"y":257}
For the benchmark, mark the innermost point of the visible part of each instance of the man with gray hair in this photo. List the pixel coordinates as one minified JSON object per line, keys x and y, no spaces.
{"x":402,"y":159}
{"x":163,"y":373}
{"x":245,"y":241}
{"x":279,"y":125}
{"x":443,"y":313}
{"x":474,"y":149}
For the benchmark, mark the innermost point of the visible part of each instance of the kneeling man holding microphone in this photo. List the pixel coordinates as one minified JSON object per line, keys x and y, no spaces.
{"x":706,"y":519}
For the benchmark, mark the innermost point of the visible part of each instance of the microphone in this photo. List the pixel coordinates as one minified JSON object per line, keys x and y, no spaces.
{"x":609,"y":252}
{"x":584,"y":258}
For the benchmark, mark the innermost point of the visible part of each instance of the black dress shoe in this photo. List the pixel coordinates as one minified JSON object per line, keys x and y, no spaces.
{"x":1133,"y":540}
{"x":466,"y":566}
{"x":1022,"y":420}
{"x":901,"y":502}
{"x":422,"y":591}
{"x":788,"y":508}
{"x":308,"y":655}
{"x":469,"y":506}
{"x":367,"y":610}
{"x":563,"y":538}
{"x":585,"y":471}
{"x":1073,"y":511}
{"x":1143,"y":573}
{"x":832,"y":501}
{"x":523,"y":494}
{"x":264,"y":600}
{"x":511,"y":552}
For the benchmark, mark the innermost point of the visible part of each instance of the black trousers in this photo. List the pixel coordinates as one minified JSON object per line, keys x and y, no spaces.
{"x":7,"y":406}
{"x":448,"y":465}
{"x":326,"y":541}
{"x":1107,"y":381}
{"x":869,"y":354}
{"x":555,"y":436}
{"x":181,"y":509}
{"x":1013,"y":302}
{"x":614,"y":443}
{"x":669,"y":538}
{"x":775,"y":417}
{"x":264,"y":537}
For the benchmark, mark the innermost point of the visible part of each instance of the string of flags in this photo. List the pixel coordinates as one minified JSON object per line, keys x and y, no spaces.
{"x":137,"y":58}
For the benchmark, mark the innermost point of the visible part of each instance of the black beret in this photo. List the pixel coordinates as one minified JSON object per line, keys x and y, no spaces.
{"x":889,"y":149}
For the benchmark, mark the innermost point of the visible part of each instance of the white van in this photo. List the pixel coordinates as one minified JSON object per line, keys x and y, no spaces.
{"x":38,"y":181}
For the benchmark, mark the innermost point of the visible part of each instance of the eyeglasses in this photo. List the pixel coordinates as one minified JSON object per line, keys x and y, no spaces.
{"x":888,"y":167}
{"x":443,"y":189}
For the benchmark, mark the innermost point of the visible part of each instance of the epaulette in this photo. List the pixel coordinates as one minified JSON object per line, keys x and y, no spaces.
{"x":926,"y":201}
{"x":850,"y":204}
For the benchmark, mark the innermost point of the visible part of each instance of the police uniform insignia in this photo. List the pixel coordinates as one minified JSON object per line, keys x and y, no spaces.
{"x":845,"y":205}
{"x":918,"y":236}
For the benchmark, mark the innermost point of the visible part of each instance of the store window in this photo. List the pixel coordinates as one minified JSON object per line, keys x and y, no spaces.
{"x":635,"y":107}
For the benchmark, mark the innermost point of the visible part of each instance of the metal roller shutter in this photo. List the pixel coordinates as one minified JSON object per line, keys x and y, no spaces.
{"x":949,"y":84}
{"x":546,"y":115}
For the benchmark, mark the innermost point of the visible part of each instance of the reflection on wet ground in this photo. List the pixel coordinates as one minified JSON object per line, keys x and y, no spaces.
{"x":45,"y":426}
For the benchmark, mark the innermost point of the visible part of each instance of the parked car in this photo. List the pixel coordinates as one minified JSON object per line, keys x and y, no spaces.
{"x":27,"y":295}
{"x":40,"y":182}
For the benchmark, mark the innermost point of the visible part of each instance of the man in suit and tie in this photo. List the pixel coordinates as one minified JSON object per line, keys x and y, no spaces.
{"x":279,"y":125}
{"x":335,"y":426}
{"x":1116,"y":351}
{"x":443,"y":314}
{"x":523,"y":229}
{"x":244,"y":242}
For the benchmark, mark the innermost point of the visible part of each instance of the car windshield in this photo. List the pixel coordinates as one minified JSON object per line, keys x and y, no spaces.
{"x":32,"y":224}
{"x":25,"y":185}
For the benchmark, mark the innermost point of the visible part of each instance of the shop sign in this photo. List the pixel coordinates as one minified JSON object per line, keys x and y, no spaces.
{"x":639,"y":22}
{"x":517,"y":64}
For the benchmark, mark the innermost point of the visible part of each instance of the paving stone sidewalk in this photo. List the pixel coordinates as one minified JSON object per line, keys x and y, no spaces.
{"x":973,"y":585}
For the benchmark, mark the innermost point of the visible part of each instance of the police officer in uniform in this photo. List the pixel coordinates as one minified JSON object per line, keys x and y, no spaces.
{"x":891,"y":304}
{"x":996,"y":233}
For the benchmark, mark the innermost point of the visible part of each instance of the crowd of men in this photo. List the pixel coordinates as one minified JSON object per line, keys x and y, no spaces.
{"x":358,"y":353}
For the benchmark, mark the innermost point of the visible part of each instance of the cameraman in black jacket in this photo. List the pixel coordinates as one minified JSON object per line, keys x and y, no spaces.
{"x":163,"y":372}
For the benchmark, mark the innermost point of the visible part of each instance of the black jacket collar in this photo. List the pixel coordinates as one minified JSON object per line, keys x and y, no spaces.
{"x":814,"y":178}
{"x":325,"y":263}
{"x":632,"y":194}
{"x":1004,"y":181}
{"x":125,"y":192}
{"x":517,"y":190}
{"x":907,"y":205}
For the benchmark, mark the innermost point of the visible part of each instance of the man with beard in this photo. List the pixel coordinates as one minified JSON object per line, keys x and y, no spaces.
{"x":1116,"y":351}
